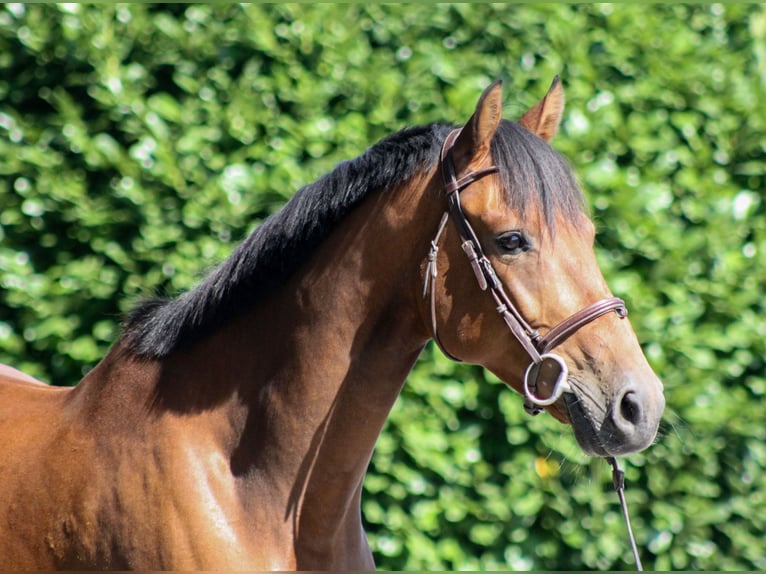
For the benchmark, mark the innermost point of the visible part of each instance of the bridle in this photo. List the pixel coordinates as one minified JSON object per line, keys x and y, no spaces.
{"x":543,"y":361}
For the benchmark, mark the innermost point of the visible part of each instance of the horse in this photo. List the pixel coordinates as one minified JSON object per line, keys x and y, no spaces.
{"x":231,"y":427}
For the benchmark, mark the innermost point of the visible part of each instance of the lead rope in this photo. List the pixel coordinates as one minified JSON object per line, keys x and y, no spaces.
{"x":618,"y":480}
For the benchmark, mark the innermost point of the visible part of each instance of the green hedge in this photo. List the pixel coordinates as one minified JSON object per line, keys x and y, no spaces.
{"x":140,"y":143}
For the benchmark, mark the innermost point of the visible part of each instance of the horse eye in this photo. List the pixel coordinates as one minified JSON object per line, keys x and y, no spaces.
{"x":513,"y":242}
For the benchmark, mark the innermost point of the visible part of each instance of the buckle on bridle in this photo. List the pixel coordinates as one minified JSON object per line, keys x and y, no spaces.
{"x":473,"y":258}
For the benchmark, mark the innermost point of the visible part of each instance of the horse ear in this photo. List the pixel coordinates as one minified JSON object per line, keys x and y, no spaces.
{"x":473,"y":142}
{"x":544,"y":117}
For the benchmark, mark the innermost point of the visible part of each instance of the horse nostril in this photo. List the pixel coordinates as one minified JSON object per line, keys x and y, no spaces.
{"x":630,"y":408}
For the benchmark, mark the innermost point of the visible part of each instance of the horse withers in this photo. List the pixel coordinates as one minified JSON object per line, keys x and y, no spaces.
{"x":231,"y":427}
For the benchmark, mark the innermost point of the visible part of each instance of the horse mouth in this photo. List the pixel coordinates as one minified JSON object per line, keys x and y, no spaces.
{"x":618,"y":422}
{"x":584,"y":425}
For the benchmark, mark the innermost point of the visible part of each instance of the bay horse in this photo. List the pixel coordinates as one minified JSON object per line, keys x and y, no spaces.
{"x":231,"y":427}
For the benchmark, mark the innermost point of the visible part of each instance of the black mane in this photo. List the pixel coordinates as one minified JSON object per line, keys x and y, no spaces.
{"x":529,"y":168}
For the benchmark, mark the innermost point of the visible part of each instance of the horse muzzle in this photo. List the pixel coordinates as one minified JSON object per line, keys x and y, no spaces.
{"x":624,"y":423}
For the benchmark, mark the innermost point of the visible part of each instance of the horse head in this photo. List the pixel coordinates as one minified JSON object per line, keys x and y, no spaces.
{"x":518,"y":288}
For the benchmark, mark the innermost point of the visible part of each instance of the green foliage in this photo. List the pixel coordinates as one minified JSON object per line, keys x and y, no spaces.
{"x":139,"y":143}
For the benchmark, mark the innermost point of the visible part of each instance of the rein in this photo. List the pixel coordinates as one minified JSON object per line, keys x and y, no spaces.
{"x":618,"y":481}
{"x":543,"y":361}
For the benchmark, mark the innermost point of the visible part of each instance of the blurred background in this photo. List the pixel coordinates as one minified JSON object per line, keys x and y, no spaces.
{"x":139,"y":143}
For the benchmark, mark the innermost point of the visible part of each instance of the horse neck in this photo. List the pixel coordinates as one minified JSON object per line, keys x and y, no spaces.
{"x":296,"y":391}
{"x":354,"y":333}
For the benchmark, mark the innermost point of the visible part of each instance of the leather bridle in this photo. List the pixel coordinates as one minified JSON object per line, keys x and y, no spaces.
{"x":538,"y":347}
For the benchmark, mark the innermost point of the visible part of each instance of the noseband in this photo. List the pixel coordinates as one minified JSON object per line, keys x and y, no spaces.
{"x":538,"y":347}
